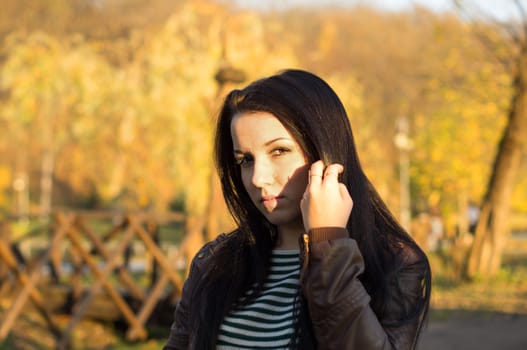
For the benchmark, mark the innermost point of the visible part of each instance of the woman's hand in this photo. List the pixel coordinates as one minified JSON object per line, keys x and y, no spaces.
{"x":326,"y":201}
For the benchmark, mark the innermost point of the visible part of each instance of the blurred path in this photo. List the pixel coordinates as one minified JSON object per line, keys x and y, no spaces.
{"x":475,"y":331}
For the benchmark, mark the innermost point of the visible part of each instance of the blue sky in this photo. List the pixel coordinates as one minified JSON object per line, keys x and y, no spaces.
{"x":501,"y":9}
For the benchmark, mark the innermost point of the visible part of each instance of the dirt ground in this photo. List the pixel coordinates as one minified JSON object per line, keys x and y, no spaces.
{"x":475,"y":331}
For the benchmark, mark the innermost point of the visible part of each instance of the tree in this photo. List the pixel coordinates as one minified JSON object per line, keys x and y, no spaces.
{"x":45,"y":80}
{"x":462,"y":106}
{"x":493,"y":228}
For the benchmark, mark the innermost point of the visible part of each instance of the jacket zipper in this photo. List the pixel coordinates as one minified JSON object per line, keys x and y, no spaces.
{"x":305,"y":255}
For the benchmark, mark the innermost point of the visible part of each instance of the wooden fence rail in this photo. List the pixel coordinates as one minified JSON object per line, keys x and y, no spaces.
{"x":100,"y":260}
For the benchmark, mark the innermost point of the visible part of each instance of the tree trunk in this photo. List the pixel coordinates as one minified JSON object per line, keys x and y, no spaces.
{"x":47,"y":170}
{"x":193,"y":239}
{"x":493,"y":228}
{"x":216,"y":207}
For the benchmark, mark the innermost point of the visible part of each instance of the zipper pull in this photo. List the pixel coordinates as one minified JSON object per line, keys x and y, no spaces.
{"x":306,"y":244}
{"x":305,"y":255}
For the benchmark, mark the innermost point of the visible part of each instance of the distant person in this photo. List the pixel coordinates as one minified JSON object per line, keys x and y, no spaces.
{"x":436,"y":233}
{"x":472,"y":217}
{"x":317,"y":260}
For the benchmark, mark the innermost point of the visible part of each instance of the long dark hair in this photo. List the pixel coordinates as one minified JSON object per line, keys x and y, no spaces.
{"x":311,"y":111}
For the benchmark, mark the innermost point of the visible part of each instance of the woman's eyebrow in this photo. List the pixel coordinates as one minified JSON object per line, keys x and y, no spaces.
{"x":277,"y":139}
{"x":266,"y":143}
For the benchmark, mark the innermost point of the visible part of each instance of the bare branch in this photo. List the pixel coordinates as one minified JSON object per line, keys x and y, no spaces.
{"x":521,"y":10}
{"x":523,"y":16}
{"x":490,"y":47}
{"x":515,"y":35}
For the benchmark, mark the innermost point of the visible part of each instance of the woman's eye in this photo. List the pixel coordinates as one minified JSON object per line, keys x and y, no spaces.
{"x":279,"y":151}
{"x":243,"y":161}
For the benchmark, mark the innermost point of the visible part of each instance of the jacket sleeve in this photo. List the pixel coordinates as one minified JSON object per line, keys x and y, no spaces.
{"x":339,"y":304}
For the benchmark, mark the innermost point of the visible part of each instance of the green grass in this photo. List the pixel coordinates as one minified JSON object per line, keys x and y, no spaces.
{"x":505,"y":292}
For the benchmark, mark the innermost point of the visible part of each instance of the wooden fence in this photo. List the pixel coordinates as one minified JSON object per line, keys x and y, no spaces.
{"x":98,"y":259}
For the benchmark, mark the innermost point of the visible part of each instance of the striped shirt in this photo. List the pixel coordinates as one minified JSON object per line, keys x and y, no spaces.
{"x":267,"y":322}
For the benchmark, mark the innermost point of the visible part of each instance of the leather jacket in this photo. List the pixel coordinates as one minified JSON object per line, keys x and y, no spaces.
{"x":338,"y":303}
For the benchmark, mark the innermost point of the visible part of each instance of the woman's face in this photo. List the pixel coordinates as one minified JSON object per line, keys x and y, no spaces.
{"x":273,"y":167}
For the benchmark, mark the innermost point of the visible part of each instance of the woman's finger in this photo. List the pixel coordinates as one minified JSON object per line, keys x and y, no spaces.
{"x":316,"y":172}
{"x":332,"y":172}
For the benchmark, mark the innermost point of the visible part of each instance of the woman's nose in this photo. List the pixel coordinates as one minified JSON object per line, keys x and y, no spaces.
{"x":262,"y":173}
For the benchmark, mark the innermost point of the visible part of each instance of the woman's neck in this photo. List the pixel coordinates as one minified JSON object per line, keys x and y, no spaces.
{"x":288,"y":236}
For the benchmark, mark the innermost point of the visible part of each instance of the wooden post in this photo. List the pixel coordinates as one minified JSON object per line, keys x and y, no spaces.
{"x":29,"y":282}
{"x":101,"y":276}
{"x":99,"y":246}
{"x":158,"y":255}
{"x":134,"y":332}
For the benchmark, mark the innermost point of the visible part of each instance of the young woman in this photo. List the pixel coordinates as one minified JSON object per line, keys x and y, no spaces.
{"x":317,"y":260}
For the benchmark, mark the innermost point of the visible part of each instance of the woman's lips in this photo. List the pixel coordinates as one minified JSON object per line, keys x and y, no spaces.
{"x":270,"y":202}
